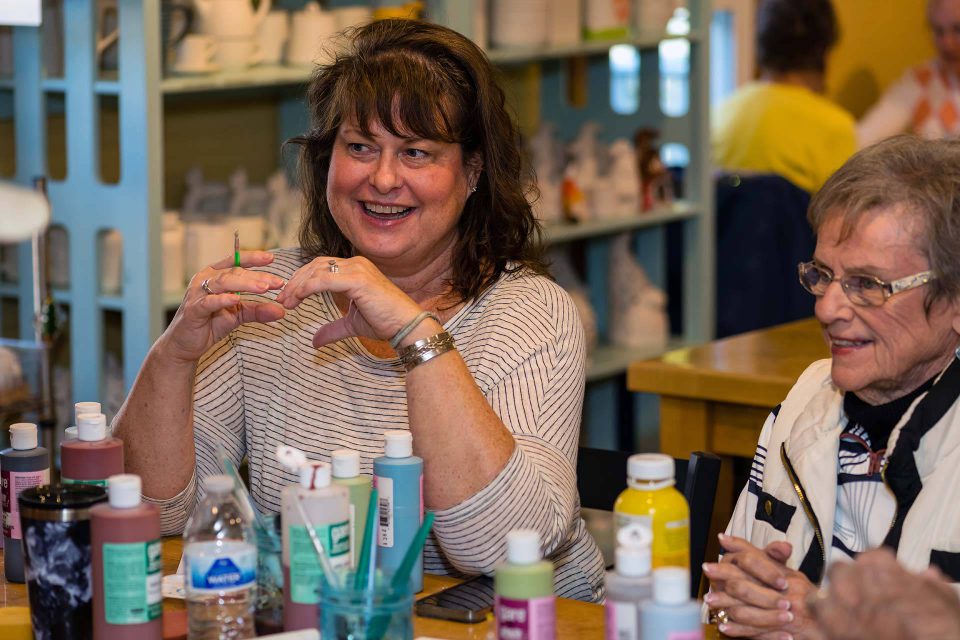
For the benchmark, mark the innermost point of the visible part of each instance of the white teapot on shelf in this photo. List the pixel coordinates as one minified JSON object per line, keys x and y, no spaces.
{"x":230,"y":18}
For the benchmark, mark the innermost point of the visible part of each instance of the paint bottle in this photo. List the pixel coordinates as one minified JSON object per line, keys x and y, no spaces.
{"x":398,"y":477}
{"x":346,"y":473}
{"x":79,"y":408}
{"x":671,"y":615}
{"x":127,"y":567}
{"x":93,"y":456}
{"x":328,"y":511}
{"x":23,"y":465}
{"x":525,"y":606}
{"x":651,"y":499}
{"x":629,"y":584}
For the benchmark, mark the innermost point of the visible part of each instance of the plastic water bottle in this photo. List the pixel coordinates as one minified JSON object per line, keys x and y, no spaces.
{"x":220,"y":566}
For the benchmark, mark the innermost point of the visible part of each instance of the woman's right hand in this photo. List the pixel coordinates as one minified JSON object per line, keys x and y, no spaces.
{"x":204,"y":318}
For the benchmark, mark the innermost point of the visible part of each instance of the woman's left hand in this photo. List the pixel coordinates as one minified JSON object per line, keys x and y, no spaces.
{"x":378,"y":308}
{"x":761,"y":596}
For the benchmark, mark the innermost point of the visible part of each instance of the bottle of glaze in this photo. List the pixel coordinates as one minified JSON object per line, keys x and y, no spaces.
{"x":671,"y":614}
{"x":398,"y":477}
{"x":23,"y":465}
{"x":629,"y":584}
{"x":328,"y":510}
{"x":93,"y":456}
{"x":127,"y":570}
{"x":525,"y":605}
{"x":79,"y":408}
{"x":346,"y":473}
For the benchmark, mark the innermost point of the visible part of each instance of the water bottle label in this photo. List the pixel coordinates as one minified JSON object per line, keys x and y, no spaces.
{"x":533,"y":619}
{"x":11,"y":484}
{"x":214,"y":568}
{"x":385,"y":497}
{"x":621,"y":621}
{"x":131,"y":582}
{"x":305,"y":569}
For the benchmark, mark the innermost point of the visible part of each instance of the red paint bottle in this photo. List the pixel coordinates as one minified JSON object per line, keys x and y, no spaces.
{"x":127,"y":568}
{"x":93,"y":456}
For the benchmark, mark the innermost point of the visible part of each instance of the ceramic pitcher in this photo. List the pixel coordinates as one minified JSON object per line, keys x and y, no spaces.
{"x":230,"y":18}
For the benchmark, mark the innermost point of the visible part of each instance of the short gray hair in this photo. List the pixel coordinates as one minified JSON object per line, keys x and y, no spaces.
{"x":919,"y":178}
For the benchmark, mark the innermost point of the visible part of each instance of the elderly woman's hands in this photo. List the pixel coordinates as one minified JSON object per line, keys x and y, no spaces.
{"x":378,"y":308}
{"x":761,"y":596}
{"x":209,"y":313}
{"x":874,"y":597}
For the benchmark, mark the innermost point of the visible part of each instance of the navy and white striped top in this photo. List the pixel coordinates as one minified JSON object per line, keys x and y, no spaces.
{"x":265,"y":384}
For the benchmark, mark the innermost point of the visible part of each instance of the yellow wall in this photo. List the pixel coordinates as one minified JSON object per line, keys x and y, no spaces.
{"x":879,"y":39}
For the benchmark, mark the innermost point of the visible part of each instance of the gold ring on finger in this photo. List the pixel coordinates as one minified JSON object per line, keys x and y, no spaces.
{"x":720,"y":616}
{"x":205,"y":285}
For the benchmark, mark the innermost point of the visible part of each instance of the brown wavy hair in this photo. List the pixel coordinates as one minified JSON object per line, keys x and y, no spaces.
{"x":423,"y":80}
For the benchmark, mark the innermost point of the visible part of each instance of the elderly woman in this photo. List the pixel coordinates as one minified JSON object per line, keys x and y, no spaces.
{"x":864,"y":450}
{"x":416,"y":301}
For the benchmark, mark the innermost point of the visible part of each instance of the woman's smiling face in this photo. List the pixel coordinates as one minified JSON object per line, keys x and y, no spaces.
{"x":398,"y":199}
{"x":883,"y":352}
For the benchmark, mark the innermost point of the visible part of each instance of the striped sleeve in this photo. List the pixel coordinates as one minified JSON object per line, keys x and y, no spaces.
{"x":540,"y":403}
{"x":218,"y":418}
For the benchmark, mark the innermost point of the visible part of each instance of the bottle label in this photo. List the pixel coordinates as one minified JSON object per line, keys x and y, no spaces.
{"x":353,"y":538}
{"x":131,"y":582}
{"x":532,"y":619}
{"x":213,"y":568}
{"x":99,"y":482}
{"x":11,"y":484}
{"x":305,"y":569}
{"x":385,"y":498}
{"x":621,"y":620}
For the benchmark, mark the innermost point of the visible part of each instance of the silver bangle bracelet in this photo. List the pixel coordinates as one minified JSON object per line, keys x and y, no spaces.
{"x":423,"y":350}
{"x":410,"y":326}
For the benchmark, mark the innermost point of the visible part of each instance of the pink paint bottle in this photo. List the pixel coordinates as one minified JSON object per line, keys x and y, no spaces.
{"x":127,"y":568}
{"x":93,"y":456}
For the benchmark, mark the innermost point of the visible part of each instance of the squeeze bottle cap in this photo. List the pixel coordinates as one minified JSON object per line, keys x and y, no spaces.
{"x":650,"y":466}
{"x":346,"y":463}
{"x":91,"y":427}
{"x":671,"y":585}
{"x":80,"y":408}
{"x":523,"y":546}
{"x":633,"y":555}
{"x":399,"y":444}
{"x":123,"y":490}
{"x":315,"y":475}
{"x":23,"y":436}
{"x":218,"y":484}
{"x":70,"y":433}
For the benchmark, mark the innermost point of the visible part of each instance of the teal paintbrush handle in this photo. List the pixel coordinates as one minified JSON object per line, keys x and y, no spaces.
{"x":363,"y":562}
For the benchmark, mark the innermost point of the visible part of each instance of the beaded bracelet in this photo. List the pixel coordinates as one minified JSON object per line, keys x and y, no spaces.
{"x":410,"y":326}
{"x":426,"y":349}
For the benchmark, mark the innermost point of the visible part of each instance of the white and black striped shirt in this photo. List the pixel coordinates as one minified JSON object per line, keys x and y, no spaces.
{"x":265,"y":384}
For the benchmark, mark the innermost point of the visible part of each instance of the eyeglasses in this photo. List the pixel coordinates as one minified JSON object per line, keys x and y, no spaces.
{"x":865,"y":291}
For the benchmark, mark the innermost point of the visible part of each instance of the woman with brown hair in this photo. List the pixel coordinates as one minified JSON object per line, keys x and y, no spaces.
{"x":416,"y":301}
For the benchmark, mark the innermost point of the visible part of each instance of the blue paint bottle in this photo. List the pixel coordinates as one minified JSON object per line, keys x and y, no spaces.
{"x":398,"y":477}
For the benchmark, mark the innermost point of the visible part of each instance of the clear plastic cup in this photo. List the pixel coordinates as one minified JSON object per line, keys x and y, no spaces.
{"x":377,"y":614}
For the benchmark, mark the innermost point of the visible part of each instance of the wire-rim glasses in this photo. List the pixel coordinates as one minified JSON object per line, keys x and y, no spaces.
{"x":862,"y":290}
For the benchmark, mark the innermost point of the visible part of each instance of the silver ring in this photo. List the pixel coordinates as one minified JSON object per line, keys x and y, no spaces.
{"x":205,"y":285}
{"x":332,"y":266}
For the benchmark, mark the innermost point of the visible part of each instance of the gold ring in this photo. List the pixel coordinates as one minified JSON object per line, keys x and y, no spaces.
{"x":720,"y":616}
{"x":205,"y":285}
{"x":332,"y":266}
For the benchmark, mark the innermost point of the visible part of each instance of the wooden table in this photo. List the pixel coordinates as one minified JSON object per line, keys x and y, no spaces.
{"x":716,"y":397}
{"x":575,"y":619}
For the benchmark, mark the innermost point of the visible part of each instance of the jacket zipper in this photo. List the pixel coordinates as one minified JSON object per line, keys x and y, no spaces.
{"x":807,"y":509}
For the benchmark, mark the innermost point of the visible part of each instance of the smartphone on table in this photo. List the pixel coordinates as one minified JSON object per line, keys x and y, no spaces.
{"x":470,"y":601}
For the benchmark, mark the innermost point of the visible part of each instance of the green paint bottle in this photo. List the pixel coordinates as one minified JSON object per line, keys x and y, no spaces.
{"x":346,"y":473}
{"x":525,"y":605}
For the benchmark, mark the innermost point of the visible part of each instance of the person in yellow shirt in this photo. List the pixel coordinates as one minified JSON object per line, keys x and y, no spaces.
{"x":782,"y":123}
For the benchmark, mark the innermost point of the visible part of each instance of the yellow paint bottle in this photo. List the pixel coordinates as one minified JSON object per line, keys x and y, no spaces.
{"x":651,"y":499}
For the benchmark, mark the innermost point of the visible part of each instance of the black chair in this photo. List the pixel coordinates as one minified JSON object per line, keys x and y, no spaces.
{"x":602,"y":475}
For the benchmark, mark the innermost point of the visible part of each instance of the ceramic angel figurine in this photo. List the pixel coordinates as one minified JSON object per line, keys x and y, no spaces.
{"x":566,"y":276}
{"x":624,"y":179}
{"x":638,"y":317}
{"x":547,"y":157}
{"x":581,"y":173}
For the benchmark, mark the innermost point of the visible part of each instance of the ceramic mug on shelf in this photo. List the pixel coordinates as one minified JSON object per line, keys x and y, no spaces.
{"x":238,"y":54}
{"x":195,"y":54}
{"x":175,"y":22}
{"x":230,"y":18}
{"x":272,"y":36}
{"x":312,"y":28}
